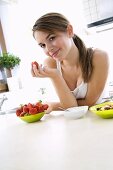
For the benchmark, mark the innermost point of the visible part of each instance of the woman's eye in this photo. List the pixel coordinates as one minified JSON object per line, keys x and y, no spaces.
{"x":52,"y":38}
{"x":42,"y":45}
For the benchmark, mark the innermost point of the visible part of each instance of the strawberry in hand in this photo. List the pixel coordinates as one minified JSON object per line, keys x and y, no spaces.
{"x":35,"y":63}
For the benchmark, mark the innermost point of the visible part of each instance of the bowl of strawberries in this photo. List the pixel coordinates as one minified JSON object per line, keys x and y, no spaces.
{"x":31,"y":112}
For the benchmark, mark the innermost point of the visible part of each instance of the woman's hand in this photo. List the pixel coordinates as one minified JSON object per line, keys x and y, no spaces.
{"x":44,"y":71}
{"x":53,"y":106}
{"x":50,"y":108}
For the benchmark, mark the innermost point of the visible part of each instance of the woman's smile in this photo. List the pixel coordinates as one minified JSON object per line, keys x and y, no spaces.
{"x":55,"y":54}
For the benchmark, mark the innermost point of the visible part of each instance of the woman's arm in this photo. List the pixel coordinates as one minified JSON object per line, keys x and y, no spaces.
{"x":66,"y":98}
{"x":98,"y":79}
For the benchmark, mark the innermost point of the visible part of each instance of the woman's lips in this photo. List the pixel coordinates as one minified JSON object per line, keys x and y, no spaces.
{"x":54,"y":55}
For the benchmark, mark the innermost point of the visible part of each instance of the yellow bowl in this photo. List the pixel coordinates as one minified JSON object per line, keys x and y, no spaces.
{"x":32,"y":118}
{"x":106,"y":114}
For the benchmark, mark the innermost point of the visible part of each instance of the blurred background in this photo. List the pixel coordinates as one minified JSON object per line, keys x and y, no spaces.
{"x":91,"y":19}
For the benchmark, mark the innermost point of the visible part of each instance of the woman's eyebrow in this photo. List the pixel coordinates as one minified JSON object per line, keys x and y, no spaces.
{"x":46,"y":38}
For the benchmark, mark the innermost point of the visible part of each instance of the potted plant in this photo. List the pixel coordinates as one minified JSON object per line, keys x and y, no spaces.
{"x":8,"y":61}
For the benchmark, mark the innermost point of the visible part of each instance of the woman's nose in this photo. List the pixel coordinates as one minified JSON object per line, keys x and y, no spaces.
{"x":49,"y":48}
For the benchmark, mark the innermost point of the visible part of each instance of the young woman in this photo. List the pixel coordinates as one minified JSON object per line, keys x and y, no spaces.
{"x":78,"y":73}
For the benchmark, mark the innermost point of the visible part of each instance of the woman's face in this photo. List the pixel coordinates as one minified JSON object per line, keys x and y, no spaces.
{"x":56,"y":45}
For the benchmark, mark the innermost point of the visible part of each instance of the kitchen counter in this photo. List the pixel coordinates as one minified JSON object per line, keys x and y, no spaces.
{"x":56,"y":143}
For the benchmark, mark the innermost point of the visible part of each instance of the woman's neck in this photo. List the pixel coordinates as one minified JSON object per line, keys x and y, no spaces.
{"x":72,"y":58}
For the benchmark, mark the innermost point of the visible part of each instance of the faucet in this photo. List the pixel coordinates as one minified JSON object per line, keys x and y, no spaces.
{"x":2,"y":101}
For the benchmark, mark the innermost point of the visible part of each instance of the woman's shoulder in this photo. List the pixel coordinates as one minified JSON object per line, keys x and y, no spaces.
{"x":100,"y":56}
{"x":50,"y":62}
{"x":100,"y":53}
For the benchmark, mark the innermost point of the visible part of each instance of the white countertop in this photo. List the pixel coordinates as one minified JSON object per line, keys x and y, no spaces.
{"x":56,"y":143}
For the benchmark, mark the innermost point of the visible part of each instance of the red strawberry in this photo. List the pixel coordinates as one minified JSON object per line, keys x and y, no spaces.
{"x":39,"y":104}
{"x":34,"y":62}
{"x":29,"y":105}
{"x":40,"y":109}
{"x":25,"y":109}
{"x":22,"y":114}
{"x":33,"y":111}
{"x":18,"y":112}
{"x":45,"y":106}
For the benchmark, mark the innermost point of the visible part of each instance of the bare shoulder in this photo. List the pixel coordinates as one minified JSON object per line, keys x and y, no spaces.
{"x":50,"y":62}
{"x":99,"y":77}
{"x":100,"y":57}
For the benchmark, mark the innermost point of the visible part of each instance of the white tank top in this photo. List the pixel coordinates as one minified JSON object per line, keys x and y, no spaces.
{"x":80,"y":91}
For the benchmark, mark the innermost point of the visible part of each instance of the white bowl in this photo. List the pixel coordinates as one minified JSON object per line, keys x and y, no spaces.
{"x":76,"y":112}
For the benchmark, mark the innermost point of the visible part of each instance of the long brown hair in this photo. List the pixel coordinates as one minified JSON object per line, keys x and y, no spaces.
{"x":52,"y":22}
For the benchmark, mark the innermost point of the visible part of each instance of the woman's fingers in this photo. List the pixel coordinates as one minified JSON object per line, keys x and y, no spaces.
{"x":38,"y":72}
{"x":43,"y":71}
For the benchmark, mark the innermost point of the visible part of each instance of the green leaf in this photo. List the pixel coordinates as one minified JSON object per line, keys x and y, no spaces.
{"x":8,"y":60}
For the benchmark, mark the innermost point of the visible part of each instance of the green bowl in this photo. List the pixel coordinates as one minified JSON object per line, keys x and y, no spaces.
{"x":106,"y":114}
{"x":32,"y":118}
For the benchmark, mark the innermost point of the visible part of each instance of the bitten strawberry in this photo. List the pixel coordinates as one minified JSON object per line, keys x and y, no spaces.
{"x":34,"y":62}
